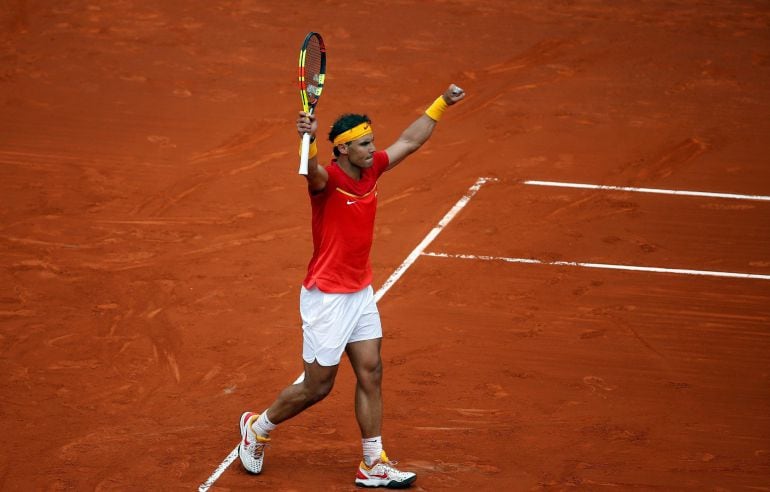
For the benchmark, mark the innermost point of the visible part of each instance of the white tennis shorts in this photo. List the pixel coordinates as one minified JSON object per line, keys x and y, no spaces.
{"x":331,"y":321}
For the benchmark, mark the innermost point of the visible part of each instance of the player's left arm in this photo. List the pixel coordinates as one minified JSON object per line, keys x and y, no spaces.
{"x":421,"y":129}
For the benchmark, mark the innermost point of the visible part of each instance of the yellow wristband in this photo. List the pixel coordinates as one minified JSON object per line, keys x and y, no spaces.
{"x":312,"y":150}
{"x":436,"y":109}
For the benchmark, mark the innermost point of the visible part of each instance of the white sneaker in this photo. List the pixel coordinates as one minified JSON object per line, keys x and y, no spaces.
{"x":383,"y":474}
{"x":252,"y":447}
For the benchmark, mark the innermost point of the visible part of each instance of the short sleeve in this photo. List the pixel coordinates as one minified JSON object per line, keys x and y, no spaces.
{"x":331,"y":183}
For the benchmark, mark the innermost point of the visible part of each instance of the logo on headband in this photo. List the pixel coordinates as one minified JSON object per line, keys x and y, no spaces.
{"x":354,"y":133}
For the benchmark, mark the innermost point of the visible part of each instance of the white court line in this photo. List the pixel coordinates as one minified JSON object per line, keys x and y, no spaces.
{"x":648,"y":190}
{"x":229,"y":459}
{"x":431,"y":236}
{"x":462,"y":202}
{"x":679,"y":271}
{"x":220,"y":470}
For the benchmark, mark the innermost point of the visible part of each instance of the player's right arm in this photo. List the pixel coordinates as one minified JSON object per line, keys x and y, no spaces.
{"x":316,"y":174}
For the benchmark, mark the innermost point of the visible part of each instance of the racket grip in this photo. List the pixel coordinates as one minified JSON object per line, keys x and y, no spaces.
{"x":303,"y":155}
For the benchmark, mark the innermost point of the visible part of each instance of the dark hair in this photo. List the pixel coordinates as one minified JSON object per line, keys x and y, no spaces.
{"x":345,"y":123}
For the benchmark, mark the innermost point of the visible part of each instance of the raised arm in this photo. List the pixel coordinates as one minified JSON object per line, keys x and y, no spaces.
{"x":421,"y":129}
{"x":316,"y":174}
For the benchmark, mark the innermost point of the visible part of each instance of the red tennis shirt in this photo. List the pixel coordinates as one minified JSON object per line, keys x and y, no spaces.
{"x":343,"y":229}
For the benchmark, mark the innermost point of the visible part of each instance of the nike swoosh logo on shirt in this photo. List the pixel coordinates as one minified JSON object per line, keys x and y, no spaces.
{"x":351,"y":202}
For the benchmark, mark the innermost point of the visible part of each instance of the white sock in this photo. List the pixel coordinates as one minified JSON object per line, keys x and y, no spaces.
{"x":372,"y":449}
{"x":262,"y":426}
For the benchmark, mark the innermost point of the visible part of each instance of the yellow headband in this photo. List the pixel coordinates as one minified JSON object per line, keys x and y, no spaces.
{"x":356,"y":132}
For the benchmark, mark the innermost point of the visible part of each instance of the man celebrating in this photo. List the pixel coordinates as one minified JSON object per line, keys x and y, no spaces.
{"x":337,"y":305}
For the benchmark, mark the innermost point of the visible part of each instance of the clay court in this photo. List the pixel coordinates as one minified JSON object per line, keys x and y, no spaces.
{"x":154,"y":235}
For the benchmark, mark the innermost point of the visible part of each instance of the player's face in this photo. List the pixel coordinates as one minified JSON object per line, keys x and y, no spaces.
{"x":361,"y":151}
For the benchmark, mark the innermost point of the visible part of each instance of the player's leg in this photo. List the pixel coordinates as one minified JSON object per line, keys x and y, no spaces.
{"x":364,"y":356}
{"x":363,"y":351}
{"x":326,"y":328}
{"x":256,"y":428}
{"x":316,"y":385}
{"x":325,"y":335}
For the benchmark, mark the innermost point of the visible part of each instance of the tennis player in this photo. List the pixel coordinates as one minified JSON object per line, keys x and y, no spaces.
{"x":337,"y":305}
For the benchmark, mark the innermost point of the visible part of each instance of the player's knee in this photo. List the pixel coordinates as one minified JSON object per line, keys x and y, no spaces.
{"x":376,"y":372}
{"x":371,"y":375}
{"x":319,"y":391}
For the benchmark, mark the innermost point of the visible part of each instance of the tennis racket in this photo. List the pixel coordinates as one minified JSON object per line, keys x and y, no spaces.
{"x":312,"y":71}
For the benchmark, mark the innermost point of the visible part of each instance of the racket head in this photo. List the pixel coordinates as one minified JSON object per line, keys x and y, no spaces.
{"x":312,"y":70}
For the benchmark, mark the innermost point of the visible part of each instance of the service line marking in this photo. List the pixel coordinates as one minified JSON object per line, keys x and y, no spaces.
{"x":397,"y":274}
{"x":709,"y":194}
{"x":461,"y":203}
{"x":678,"y":271}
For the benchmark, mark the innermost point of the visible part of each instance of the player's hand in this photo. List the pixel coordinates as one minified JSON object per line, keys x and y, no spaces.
{"x":453,"y":94}
{"x":306,"y":123}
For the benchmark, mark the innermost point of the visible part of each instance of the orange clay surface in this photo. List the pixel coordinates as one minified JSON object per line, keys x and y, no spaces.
{"x":154,"y":234}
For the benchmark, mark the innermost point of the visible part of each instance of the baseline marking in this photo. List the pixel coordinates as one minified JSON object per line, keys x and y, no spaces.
{"x":397,"y":273}
{"x":679,"y":271}
{"x":648,"y":190}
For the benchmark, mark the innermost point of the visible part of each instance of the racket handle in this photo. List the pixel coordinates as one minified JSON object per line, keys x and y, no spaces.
{"x":304,"y":153}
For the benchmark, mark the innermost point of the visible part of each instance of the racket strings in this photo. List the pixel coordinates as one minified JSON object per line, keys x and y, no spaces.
{"x":313,"y":57}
